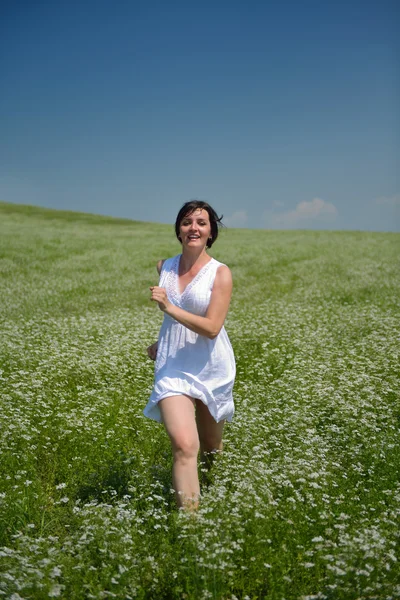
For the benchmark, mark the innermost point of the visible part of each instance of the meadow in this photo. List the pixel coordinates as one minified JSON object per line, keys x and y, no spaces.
{"x":303,"y":503}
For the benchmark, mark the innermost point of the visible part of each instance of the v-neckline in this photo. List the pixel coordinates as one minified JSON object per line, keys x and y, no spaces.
{"x":192,"y":281}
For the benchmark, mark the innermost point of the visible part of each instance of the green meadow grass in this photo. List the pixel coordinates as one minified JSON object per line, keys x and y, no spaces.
{"x":304,"y":501}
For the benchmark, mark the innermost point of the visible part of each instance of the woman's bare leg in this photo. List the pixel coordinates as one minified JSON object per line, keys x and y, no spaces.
{"x":210,"y":434}
{"x":178,"y":415}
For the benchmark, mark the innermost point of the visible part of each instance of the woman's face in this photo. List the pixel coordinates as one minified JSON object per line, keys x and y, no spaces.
{"x":195,"y":229}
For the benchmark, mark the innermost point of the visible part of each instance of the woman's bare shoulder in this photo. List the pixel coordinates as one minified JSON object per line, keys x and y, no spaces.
{"x":223,"y":275}
{"x":160,"y":264}
{"x":223,"y":270}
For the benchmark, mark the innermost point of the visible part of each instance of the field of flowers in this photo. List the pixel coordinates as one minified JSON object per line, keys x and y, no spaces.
{"x":303,"y":503}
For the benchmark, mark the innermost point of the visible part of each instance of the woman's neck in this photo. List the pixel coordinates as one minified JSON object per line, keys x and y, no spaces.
{"x":190,"y":258}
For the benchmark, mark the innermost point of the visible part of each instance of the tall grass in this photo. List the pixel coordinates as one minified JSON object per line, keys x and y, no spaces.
{"x":304,"y":501}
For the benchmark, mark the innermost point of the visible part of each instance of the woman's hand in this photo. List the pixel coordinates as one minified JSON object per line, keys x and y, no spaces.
{"x":152,"y":351}
{"x":158,"y":294}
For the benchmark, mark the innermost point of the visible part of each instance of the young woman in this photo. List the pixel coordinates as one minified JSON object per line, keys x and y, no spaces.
{"x":195,"y":365}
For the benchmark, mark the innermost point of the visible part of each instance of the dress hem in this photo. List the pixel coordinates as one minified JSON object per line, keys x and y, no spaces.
{"x":152,"y":410}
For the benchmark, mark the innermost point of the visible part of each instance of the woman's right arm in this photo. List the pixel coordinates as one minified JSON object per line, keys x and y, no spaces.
{"x":152,"y":350}
{"x":159,"y":265}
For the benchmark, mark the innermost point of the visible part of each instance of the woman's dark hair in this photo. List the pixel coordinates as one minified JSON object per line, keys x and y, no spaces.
{"x":189,"y":207}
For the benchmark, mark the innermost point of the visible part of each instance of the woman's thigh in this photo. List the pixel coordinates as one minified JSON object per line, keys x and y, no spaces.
{"x":210,"y":432}
{"x":178,"y":415}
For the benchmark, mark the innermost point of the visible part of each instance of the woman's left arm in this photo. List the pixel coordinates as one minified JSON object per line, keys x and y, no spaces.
{"x":212,"y":323}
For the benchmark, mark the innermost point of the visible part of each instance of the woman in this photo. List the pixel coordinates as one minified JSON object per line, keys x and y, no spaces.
{"x":195,"y":365}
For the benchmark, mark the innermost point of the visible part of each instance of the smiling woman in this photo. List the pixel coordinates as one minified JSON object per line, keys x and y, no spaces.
{"x":195,"y":365}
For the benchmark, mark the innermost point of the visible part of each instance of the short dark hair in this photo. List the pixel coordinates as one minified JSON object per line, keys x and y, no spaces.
{"x":189,"y":207}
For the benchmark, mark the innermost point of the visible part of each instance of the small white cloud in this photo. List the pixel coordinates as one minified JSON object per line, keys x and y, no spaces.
{"x":237,"y":219}
{"x":317,"y":212}
{"x":315,"y":208}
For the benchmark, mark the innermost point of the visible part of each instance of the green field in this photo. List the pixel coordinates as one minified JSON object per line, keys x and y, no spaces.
{"x":303,"y":503}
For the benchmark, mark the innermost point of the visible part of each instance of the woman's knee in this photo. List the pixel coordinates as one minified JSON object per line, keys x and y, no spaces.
{"x":185,"y":447}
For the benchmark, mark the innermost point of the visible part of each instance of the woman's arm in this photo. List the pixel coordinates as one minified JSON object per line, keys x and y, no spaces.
{"x":152,"y":350}
{"x":212,"y":323}
{"x":160,"y":264}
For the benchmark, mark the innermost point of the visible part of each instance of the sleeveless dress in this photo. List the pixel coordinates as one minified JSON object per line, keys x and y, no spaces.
{"x":187,"y":362}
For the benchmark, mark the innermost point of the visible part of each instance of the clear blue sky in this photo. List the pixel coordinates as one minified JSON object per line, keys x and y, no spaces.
{"x":280,"y":114}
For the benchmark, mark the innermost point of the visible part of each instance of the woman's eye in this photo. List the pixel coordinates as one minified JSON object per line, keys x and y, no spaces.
{"x":187,"y":223}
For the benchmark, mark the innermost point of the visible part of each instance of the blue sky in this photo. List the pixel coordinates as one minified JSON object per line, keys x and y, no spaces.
{"x":281,"y":115}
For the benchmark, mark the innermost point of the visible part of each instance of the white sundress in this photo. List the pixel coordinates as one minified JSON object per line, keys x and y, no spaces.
{"x":189,"y":363}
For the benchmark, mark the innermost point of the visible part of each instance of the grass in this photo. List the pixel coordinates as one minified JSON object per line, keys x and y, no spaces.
{"x":304,"y":502}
